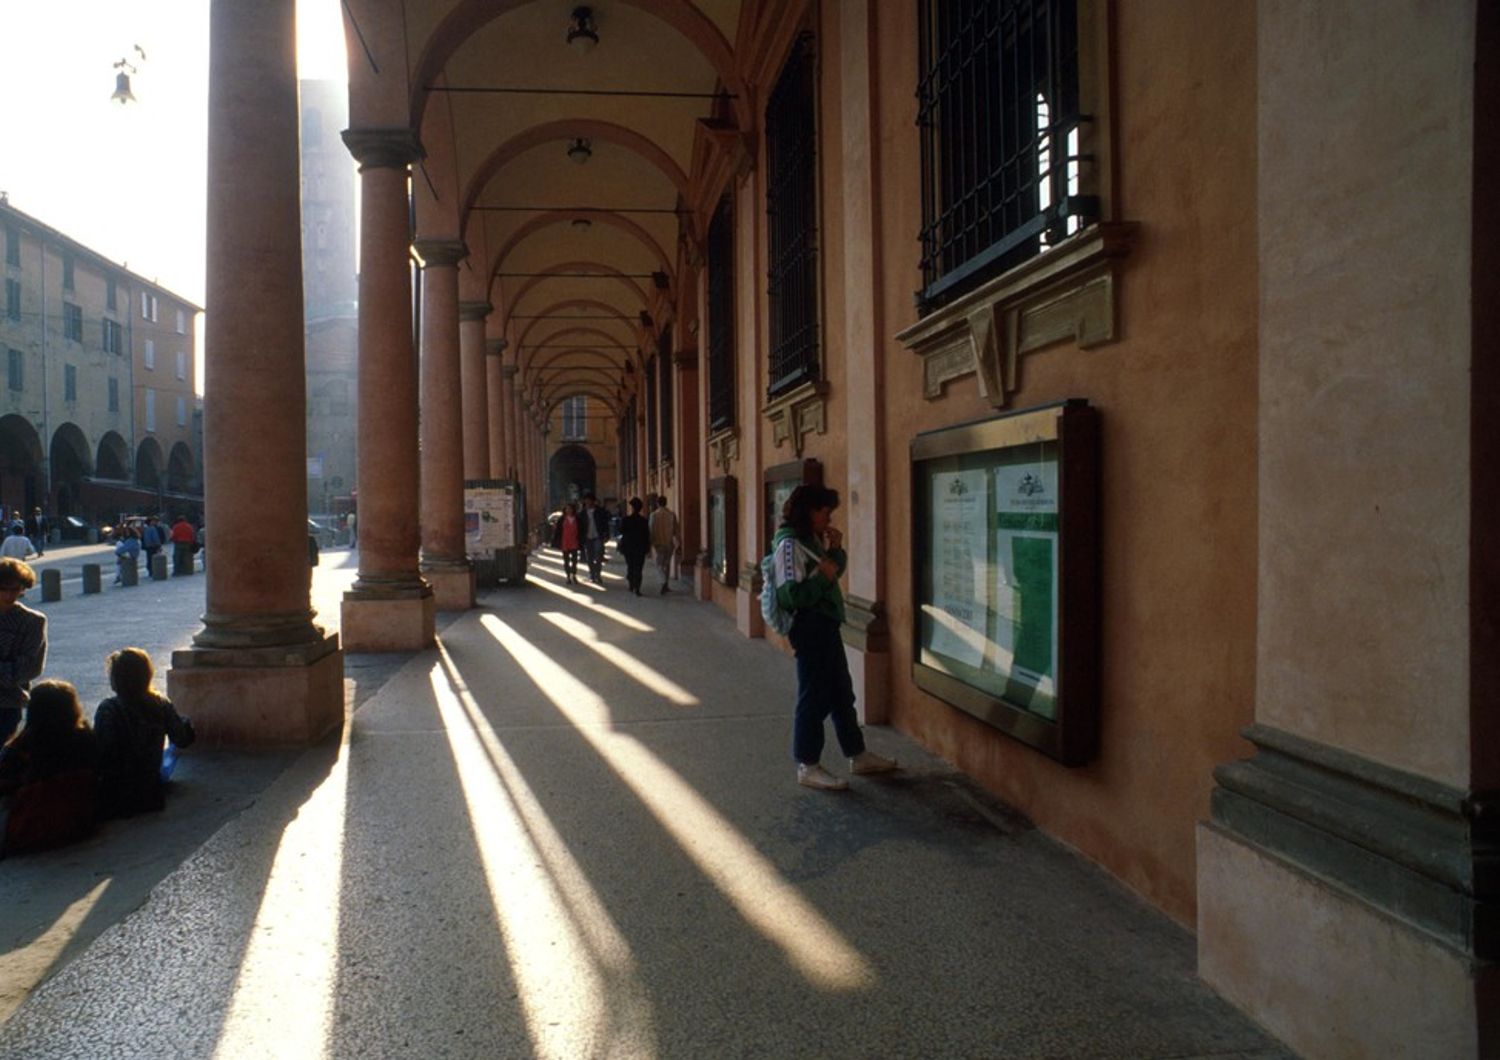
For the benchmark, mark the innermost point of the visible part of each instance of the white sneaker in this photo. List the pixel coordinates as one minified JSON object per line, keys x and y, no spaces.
{"x":867,"y":762}
{"x":815,"y":776}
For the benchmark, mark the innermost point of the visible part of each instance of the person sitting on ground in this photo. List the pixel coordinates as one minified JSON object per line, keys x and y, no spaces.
{"x":127,"y":548}
{"x":48,"y":783}
{"x":23,"y":643}
{"x":132,"y":727}
{"x":17,"y":546}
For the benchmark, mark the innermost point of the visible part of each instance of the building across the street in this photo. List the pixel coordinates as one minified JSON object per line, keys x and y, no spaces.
{"x":98,"y":414}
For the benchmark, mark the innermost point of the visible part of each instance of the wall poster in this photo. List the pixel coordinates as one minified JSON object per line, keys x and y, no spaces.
{"x":723,"y":529}
{"x":1006,"y":573}
{"x":489,"y":520}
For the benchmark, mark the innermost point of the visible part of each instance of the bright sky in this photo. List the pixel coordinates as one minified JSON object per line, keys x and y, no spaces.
{"x":127,"y":181}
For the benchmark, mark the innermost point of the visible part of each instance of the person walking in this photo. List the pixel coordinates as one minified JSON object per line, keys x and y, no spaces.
{"x":183,"y":538}
{"x":16,"y":546}
{"x":153,"y":537}
{"x":23,"y":643}
{"x":635,"y":542}
{"x":595,"y":530}
{"x":36,"y":529}
{"x":567,"y":538}
{"x":663,"y":539}
{"x":808,"y":561}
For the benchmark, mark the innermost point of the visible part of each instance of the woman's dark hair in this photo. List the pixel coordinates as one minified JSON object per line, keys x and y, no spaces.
{"x":52,"y":712}
{"x":15,"y":574}
{"x":798,"y":509}
{"x":130,"y":673}
{"x":636,"y":505}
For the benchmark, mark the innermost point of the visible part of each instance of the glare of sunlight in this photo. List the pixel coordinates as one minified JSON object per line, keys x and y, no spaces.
{"x":654,"y":680}
{"x":282,"y":1004}
{"x":574,"y":972}
{"x":320,"y":41}
{"x":26,"y":963}
{"x":628,"y":621}
{"x":745,"y":878}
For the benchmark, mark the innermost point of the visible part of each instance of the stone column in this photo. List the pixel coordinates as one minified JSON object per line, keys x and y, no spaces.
{"x":512,"y":419}
{"x":476,"y":389}
{"x":866,"y":633}
{"x":444,"y":562}
{"x":390,"y":607}
{"x":260,"y":672}
{"x":494,"y":386}
{"x":1348,"y":897}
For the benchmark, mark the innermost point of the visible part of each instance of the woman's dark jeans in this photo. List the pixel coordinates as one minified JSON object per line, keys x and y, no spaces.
{"x":570,"y":564}
{"x":823,"y":689}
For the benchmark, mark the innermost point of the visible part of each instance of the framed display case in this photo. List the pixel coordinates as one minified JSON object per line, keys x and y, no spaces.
{"x":723,"y":530}
{"x":1005,"y":570}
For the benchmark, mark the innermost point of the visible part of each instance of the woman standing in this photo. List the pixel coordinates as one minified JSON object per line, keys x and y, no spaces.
{"x":568,"y":538}
{"x":809,"y":561}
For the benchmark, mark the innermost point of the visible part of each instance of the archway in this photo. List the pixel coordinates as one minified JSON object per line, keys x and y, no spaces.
{"x":571,"y":474}
{"x":20,"y":464}
{"x":148,"y":464}
{"x":72,"y":462}
{"x":113,"y":458}
{"x":180,"y":469}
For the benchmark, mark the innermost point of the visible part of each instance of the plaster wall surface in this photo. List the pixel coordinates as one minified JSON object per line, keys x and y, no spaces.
{"x":1365,"y":357}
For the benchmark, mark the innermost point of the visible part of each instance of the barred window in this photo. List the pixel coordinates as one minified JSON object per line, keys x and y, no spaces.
{"x":721,"y":317}
{"x":664,"y":358}
{"x":575,"y":418}
{"x":791,"y":214}
{"x":1002,"y":132}
{"x":651,"y":396}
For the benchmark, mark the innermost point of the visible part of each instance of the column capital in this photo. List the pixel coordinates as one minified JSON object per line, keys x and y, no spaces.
{"x":389,"y":148}
{"x":439,"y":252}
{"x":509,"y":371}
{"x":495,"y":347}
{"x":474,"y":310}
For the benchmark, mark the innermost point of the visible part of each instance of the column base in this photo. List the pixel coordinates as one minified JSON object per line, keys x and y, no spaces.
{"x":747,"y":610}
{"x":288,"y":696}
{"x":371,"y":622}
{"x":867,"y":647}
{"x":452,"y":586}
{"x":1328,"y":974}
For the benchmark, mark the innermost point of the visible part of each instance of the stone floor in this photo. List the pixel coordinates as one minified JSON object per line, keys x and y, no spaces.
{"x":573,"y":832}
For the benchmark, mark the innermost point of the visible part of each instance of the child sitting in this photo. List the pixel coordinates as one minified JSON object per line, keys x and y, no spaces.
{"x":47,"y":779}
{"x":132,"y":726}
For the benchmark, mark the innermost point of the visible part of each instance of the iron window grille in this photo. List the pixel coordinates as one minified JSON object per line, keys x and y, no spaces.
{"x":664,"y":358}
{"x":1002,"y":136}
{"x":651,"y":398}
{"x":721,"y":317}
{"x":791,"y":215}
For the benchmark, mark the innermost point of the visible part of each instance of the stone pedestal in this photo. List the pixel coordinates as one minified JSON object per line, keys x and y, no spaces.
{"x":51,"y":585}
{"x":130,"y":572}
{"x":284,"y":696}
{"x":747,"y":603}
{"x":394,"y":621}
{"x":452,"y":585}
{"x":93,"y":576}
{"x":867,"y":647}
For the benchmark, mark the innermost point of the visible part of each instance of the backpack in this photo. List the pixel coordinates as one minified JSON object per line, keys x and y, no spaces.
{"x":777,"y":617}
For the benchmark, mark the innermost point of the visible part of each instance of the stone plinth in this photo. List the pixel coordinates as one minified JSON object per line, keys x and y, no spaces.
{"x":51,"y":585}
{"x":287,"y":696}
{"x":452,"y":585}
{"x":93,"y":576}
{"x":396,"y":622}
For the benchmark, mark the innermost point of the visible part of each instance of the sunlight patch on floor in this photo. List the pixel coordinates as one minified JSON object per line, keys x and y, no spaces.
{"x":283,"y":998}
{"x":746,"y":879}
{"x":654,"y":680}
{"x":575,"y":976}
{"x":29,"y":963}
{"x":628,"y":621}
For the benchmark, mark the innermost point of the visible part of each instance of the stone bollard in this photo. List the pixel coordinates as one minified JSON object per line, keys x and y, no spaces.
{"x":51,"y":586}
{"x":130,"y":571}
{"x":159,"y":567}
{"x":92,"y":578}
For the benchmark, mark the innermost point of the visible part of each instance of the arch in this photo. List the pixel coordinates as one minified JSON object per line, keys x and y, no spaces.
{"x":624,"y":224}
{"x":613,"y":315}
{"x":72,"y":461}
{"x":20,"y":463}
{"x":113,"y":457}
{"x":576,"y":337}
{"x":468,"y":16}
{"x":552,"y":271}
{"x":149,"y":462}
{"x":181,"y":469}
{"x":568,"y":129}
{"x":571,"y":472}
{"x":553,"y":396}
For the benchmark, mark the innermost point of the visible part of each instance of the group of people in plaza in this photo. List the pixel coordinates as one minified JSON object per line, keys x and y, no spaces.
{"x":807,"y":561}
{"x":58,"y":774}
{"x":150,"y":537}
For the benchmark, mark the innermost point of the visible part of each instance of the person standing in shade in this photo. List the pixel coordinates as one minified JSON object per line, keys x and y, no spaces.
{"x":183,"y":538}
{"x":663,"y":539}
{"x":595,"y":530}
{"x":635,"y":542}
{"x":36,"y":529}
{"x":809,"y":560}
{"x":153,"y":537}
{"x":23,"y":643}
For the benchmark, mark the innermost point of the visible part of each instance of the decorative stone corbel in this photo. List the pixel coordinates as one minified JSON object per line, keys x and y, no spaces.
{"x":724,"y":448}
{"x":798,"y":413}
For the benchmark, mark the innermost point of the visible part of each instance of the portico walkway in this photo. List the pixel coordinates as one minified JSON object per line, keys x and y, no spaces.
{"x":573,"y":832}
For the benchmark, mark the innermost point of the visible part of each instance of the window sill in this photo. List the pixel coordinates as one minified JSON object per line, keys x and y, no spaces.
{"x":724,"y":447}
{"x":797,"y":413}
{"x":1065,"y":293}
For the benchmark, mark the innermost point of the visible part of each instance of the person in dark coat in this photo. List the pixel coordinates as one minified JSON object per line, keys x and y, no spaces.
{"x":48,"y":783}
{"x":132,"y":726}
{"x":635,"y":542}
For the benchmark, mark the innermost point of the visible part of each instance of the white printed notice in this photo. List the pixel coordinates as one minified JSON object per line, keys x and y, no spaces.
{"x":488,"y":521}
{"x":960,"y":561}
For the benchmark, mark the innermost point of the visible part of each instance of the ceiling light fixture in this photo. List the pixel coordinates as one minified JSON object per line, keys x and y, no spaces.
{"x":582,"y":36}
{"x":581,"y":224}
{"x":580,"y":151}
